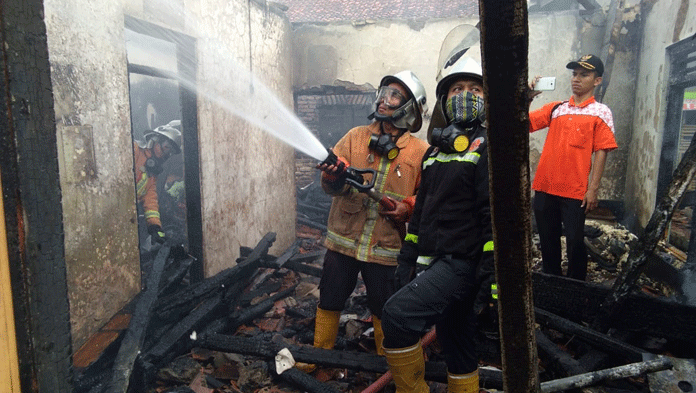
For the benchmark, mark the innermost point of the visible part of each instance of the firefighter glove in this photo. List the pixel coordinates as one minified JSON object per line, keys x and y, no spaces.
{"x":405,"y":272}
{"x":401,"y":212}
{"x":334,"y":173}
{"x":487,"y":297}
{"x":157,"y":233}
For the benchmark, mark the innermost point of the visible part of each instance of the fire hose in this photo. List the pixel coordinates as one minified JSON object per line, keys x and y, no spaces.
{"x":354,"y":177}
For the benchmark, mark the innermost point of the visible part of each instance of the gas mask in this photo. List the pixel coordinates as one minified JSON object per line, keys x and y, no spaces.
{"x":153,"y":165}
{"x":465,"y":108}
{"x":451,"y":139}
{"x":383,"y":145}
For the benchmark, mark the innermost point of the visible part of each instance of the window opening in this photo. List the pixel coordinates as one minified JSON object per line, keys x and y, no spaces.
{"x":680,"y":127}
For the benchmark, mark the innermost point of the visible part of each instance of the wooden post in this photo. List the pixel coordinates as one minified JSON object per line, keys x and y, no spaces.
{"x":504,"y":37}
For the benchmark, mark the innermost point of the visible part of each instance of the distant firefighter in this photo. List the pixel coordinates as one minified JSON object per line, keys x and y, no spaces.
{"x":159,"y":145}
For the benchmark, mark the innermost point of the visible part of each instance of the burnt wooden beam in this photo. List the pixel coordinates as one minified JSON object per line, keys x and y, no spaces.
{"x":304,"y":381}
{"x":504,"y":53}
{"x":579,"y":301}
{"x":654,"y":231}
{"x":251,"y":313}
{"x":181,"y":302}
{"x":434,"y":371}
{"x":611,"y":374}
{"x":174,"y":275}
{"x":175,"y":341}
{"x":601,"y":341}
{"x":135,"y":334}
{"x":558,"y":360}
{"x":312,"y":224}
{"x":295,"y":263}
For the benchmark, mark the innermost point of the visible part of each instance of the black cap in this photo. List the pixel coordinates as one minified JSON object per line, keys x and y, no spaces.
{"x":588,"y":62}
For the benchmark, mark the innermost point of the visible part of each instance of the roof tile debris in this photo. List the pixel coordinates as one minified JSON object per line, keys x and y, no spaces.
{"x":308,"y":11}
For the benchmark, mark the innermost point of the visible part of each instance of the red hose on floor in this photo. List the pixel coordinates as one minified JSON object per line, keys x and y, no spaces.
{"x":380,"y":383}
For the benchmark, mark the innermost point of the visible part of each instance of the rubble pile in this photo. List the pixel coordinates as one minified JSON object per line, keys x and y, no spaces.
{"x":227,"y":333}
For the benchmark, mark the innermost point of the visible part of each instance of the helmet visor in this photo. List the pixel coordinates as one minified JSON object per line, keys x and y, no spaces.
{"x":391,"y":97}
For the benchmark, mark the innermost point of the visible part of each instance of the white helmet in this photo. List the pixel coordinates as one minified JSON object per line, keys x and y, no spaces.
{"x":460,"y":55}
{"x":410,"y":114}
{"x":165,"y":132}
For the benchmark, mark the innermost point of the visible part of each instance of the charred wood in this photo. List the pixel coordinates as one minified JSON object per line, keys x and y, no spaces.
{"x":594,"y":378}
{"x":654,"y":230}
{"x":251,"y":313}
{"x":557,"y":359}
{"x":579,"y":301}
{"x":175,"y":342}
{"x":312,"y":224}
{"x":246,"y":298}
{"x":600,"y":341}
{"x":174,"y":274}
{"x":434,"y":371}
{"x":180,"y":303}
{"x":135,"y":334}
{"x":305,"y":382}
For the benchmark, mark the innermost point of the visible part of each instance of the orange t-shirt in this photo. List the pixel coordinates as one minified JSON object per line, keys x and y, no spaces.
{"x":575,"y":132}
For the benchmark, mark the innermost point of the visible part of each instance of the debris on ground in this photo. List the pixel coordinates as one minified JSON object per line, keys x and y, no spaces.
{"x":266,"y":303}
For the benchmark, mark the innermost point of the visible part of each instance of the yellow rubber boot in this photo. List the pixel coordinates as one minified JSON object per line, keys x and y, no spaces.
{"x":463,"y":383}
{"x":408,"y":369}
{"x":325,"y":332}
{"x":379,"y":335}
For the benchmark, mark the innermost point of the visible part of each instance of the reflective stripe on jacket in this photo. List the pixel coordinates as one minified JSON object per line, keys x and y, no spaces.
{"x":355,"y":228}
{"x":146,"y":186}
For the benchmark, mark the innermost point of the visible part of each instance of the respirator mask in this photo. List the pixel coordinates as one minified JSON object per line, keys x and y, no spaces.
{"x":465,"y":108}
{"x":384,"y":145}
{"x":153,"y":166}
{"x":451,"y":139}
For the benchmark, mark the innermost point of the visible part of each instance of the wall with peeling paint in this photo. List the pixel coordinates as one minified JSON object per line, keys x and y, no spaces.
{"x":246,"y":176}
{"x":664,"y":22}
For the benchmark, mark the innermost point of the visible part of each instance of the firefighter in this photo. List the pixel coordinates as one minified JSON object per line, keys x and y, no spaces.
{"x":149,"y":157}
{"x":361,"y":237}
{"x":448,"y":250}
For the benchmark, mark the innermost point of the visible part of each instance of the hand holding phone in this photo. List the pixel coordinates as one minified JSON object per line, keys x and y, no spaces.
{"x":546,"y":83}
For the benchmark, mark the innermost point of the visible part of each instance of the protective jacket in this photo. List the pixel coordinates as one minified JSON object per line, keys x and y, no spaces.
{"x":146,"y":186}
{"x":355,"y":228}
{"x":452,"y":215}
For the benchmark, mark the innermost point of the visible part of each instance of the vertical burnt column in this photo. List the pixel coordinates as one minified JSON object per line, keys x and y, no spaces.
{"x":32,"y":198}
{"x":504,"y":48}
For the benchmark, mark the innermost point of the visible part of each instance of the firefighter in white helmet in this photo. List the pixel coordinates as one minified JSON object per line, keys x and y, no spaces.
{"x":149,"y":157}
{"x":449,"y":240}
{"x":362,"y":237}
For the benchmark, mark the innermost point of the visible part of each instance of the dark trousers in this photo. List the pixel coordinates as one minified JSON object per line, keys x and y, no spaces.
{"x":554,"y":214}
{"x":443,"y":295}
{"x":340,"y":274}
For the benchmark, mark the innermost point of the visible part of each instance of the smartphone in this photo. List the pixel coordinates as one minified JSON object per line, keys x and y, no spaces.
{"x":546,"y":83}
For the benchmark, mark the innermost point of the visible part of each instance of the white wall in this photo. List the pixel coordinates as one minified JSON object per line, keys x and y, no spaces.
{"x":246,"y":176}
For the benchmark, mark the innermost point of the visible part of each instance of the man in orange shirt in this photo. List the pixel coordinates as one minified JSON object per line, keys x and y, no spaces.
{"x":578,"y":128}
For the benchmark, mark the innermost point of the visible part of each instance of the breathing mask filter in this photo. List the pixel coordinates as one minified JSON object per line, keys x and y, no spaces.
{"x":153,"y":166}
{"x":384,"y":145}
{"x":452,"y":139}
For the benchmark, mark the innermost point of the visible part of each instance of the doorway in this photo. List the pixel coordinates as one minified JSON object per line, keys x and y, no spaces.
{"x":161,"y":74}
